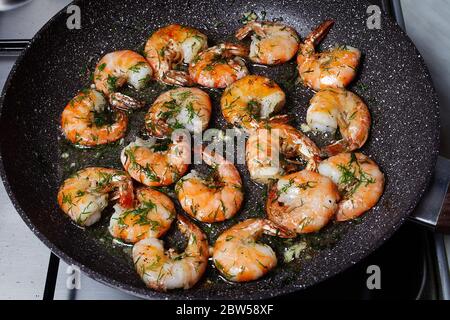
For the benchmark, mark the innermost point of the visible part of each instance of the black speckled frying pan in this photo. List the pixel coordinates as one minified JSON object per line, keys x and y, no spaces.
{"x":393,"y":81}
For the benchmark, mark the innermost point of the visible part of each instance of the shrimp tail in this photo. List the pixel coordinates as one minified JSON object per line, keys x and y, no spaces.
{"x":123,"y":102}
{"x":161,"y":128}
{"x":335,"y":148}
{"x":126,"y":193}
{"x":178,"y":78}
{"x":313,"y":164}
{"x":171,"y":54}
{"x":317,"y":35}
{"x":280,"y":119}
{"x":273,"y":121}
{"x":273,"y":229}
{"x":249,"y":27}
{"x":244,"y":31}
{"x":293,"y":165}
{"x":126,"y":200}
{"x":197,"y":241}
{"x":232,"y":49}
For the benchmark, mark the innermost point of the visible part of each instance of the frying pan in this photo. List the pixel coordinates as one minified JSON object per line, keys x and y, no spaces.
{"x":393,"y":81}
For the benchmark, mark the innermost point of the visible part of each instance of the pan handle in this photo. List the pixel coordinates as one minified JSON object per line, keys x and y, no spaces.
{"x":12,"y":47}
{"x":443,"y":225}
{"x":433,"y":210}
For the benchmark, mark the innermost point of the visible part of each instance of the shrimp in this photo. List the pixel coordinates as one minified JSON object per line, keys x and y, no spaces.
{"x":272,"y":42}
{"x":165,"y":270}
{"x":239,"y":257}
{"x":85,"y":121}
{"x":331,"y":109}
{"x":214,"y":198}
{"x":334,"y":68}
{"x":155,"y":164}
{"x":219,"y":66}
{"x":170,"y":46}
{"x":84,"y":195}
{"x":120,"y":67}
{"x":151,"y":217}
{"x":359,"y":180}
{"x":302,"y":202}
{"x":250,"y":100}
{"x":265,"y":146}
{"x":187,"y":108}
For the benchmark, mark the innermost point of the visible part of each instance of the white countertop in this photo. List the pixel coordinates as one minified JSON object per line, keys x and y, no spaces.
{"x":23,"y":258}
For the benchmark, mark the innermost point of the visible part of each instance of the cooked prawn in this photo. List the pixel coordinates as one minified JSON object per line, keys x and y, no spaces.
{"x":266,"y":145}
{"x":84,"y":120}
{"x":156,"y":164}
{"x":302,"y":202}
{"x":84,"y":195}
{"x":272,"y":42}
{"x":359,"y":180}
{"x":331,"y":109}
{"x":165,"y":270}
{"x":150,"y":217}
{"x":239,"y":257}
{"x":170,"y":46}
{"x":334,"y":68}
{"x":250,"y":100}
{"x":187,"y":108}
{"x":120,"y":67}
{"x":219,"y":66}
{"x":214,"y":198}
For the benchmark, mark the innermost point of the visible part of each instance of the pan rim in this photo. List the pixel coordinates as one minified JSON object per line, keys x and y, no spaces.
{"x":260,"y":294}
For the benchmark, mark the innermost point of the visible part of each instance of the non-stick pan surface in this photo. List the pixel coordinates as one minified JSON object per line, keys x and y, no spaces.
{"x":393,"y":81}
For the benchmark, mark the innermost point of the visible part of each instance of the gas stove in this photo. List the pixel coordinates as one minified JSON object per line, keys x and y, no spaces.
{"x":413,"y":262}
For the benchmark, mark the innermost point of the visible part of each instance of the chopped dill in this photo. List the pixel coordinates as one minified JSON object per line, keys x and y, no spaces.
{"x":352,"y":176}
{"x":112,"y":82}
